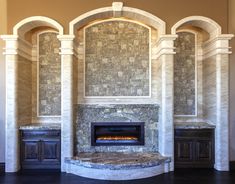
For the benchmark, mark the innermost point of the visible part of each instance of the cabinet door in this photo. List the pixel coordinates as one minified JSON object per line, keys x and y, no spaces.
{"x":50,"y":151}
{"x":31,"y":151}
{"x":203,"y":150}
{"x":183,"y":150}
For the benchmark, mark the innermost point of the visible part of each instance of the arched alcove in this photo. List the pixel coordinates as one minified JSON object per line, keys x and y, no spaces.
{"x":206,"y":30}
{"x":22,"y":57}
{"x":211,"y":68}
{"x":39,"y":46}
{"x":115,"y":13}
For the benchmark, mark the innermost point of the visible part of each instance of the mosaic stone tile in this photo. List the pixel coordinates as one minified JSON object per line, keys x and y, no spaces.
{"x":85,"y":114}
{"x":117,"y":59}
{"x":184,"y":74}
{"x":49,"y":75}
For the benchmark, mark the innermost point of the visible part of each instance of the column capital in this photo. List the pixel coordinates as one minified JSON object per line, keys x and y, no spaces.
{"x":66,"y":44}
{"x":164,"y":46}
{"x":217,"y":45}
{"x":11,"y":47}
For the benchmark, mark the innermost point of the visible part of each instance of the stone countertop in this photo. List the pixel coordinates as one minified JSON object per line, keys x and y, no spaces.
{"x":118,"y":160}
{"x":193,"y":125}
{"x":41,"y":126}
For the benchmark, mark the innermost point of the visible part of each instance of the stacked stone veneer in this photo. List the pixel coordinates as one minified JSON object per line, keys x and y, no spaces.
{"x":49,"y":75}
{"x":209,"y":89}
{"x":24,"y":84}
{"x":184,"y":74}
{"x":85,"y":114}
{"x":117,"y":59}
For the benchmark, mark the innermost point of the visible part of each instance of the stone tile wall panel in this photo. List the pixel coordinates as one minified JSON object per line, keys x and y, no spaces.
{"x":117,"y":59}
{"x":24,"y":83}
{"x":49,"y":75}
{"x":184,"y":74}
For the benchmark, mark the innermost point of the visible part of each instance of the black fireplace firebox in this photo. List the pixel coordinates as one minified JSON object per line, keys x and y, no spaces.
{"x":117,"y":133}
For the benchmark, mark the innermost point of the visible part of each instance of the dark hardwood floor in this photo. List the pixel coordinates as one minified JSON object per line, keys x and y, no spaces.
{"x":180,"y":176}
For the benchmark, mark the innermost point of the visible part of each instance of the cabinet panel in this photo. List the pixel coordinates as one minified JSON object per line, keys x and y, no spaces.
{"x":203,"y":150}
{"x":183,"y":150}
{"x":31,"y":150}
{"x":50,"y":151}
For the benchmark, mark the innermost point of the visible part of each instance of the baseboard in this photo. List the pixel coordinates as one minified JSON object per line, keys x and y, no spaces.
{"x":2,"y":167}
{"x":232,"y":165}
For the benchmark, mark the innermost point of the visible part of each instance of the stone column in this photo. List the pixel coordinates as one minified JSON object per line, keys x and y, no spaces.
{"x":165,"y":55}
{"x":67,"y":139}
{"x":218,"y":48}
{"x":12,"y":132}
{"x":221,"y":50}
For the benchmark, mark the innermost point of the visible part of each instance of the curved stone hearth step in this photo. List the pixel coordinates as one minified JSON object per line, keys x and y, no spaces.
{"x":117,"y":166}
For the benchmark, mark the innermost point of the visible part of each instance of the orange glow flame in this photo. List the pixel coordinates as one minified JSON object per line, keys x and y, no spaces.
{"x":117,"y":138}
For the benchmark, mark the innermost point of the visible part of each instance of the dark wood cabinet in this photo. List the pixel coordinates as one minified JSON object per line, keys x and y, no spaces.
{"x":40,"y":149}
{"x":194,"y":148}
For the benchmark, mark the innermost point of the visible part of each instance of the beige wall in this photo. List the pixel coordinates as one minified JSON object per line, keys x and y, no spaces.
{"x":64,"y":11}
{"x":169,"y":11}
{"x":3,"y":29}
{"x":232,"y":80}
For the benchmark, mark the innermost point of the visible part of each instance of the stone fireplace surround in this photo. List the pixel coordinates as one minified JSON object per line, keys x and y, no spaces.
{"x":216,"y":49}
{"x":126,"y":113}
{"x":117,"y":162}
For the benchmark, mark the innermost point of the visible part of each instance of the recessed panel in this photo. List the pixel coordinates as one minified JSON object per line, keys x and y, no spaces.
{"x":117,"y":59}
{"x":49,"y":75}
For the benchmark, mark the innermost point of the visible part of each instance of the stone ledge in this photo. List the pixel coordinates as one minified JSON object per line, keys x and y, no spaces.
{"x":193,"y":125}
{"x":118,"y":161}
{"x":41,"y":126}
{"x":117,"y":166}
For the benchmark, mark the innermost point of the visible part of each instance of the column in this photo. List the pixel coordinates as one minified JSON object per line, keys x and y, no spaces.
{"x":165,"y":54}
{"x":221,"y":50}
{"x":67,"y":140}
{"x":12,"y":154}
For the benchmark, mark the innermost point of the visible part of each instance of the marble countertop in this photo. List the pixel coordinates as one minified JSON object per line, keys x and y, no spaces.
{"x":193,"y":125}
{"x":41,"y":126}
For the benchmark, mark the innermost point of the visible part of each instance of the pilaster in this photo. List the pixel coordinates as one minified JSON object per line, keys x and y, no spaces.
{"x":67,"y":139}
{"x":220,"y":50}
{"x":12,"y":132}
{"x":165,"y":54}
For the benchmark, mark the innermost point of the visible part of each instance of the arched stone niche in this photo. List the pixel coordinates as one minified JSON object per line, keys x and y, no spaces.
{"x":22,"y":54}
{"x":36,"y":37}
{"x":162,"y":51}
{"x":211,"y":80}
{"x":117,"y":12}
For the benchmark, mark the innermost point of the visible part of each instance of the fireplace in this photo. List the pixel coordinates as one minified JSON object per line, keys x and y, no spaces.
{"x":117,"y":133}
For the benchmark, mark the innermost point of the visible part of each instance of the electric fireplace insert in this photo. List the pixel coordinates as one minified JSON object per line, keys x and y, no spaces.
{"x":117,"y":133}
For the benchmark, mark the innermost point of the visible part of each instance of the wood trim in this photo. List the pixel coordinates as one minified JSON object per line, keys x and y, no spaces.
{"x":232,"y":165}
{"x":2,"y":167}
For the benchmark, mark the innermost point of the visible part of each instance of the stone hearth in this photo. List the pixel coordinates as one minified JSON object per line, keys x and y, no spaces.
{"x":117,"y":166}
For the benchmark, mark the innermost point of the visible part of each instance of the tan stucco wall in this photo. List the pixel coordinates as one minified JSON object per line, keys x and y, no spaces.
{"x":64,"y":11}
{"x":169,"y":11}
